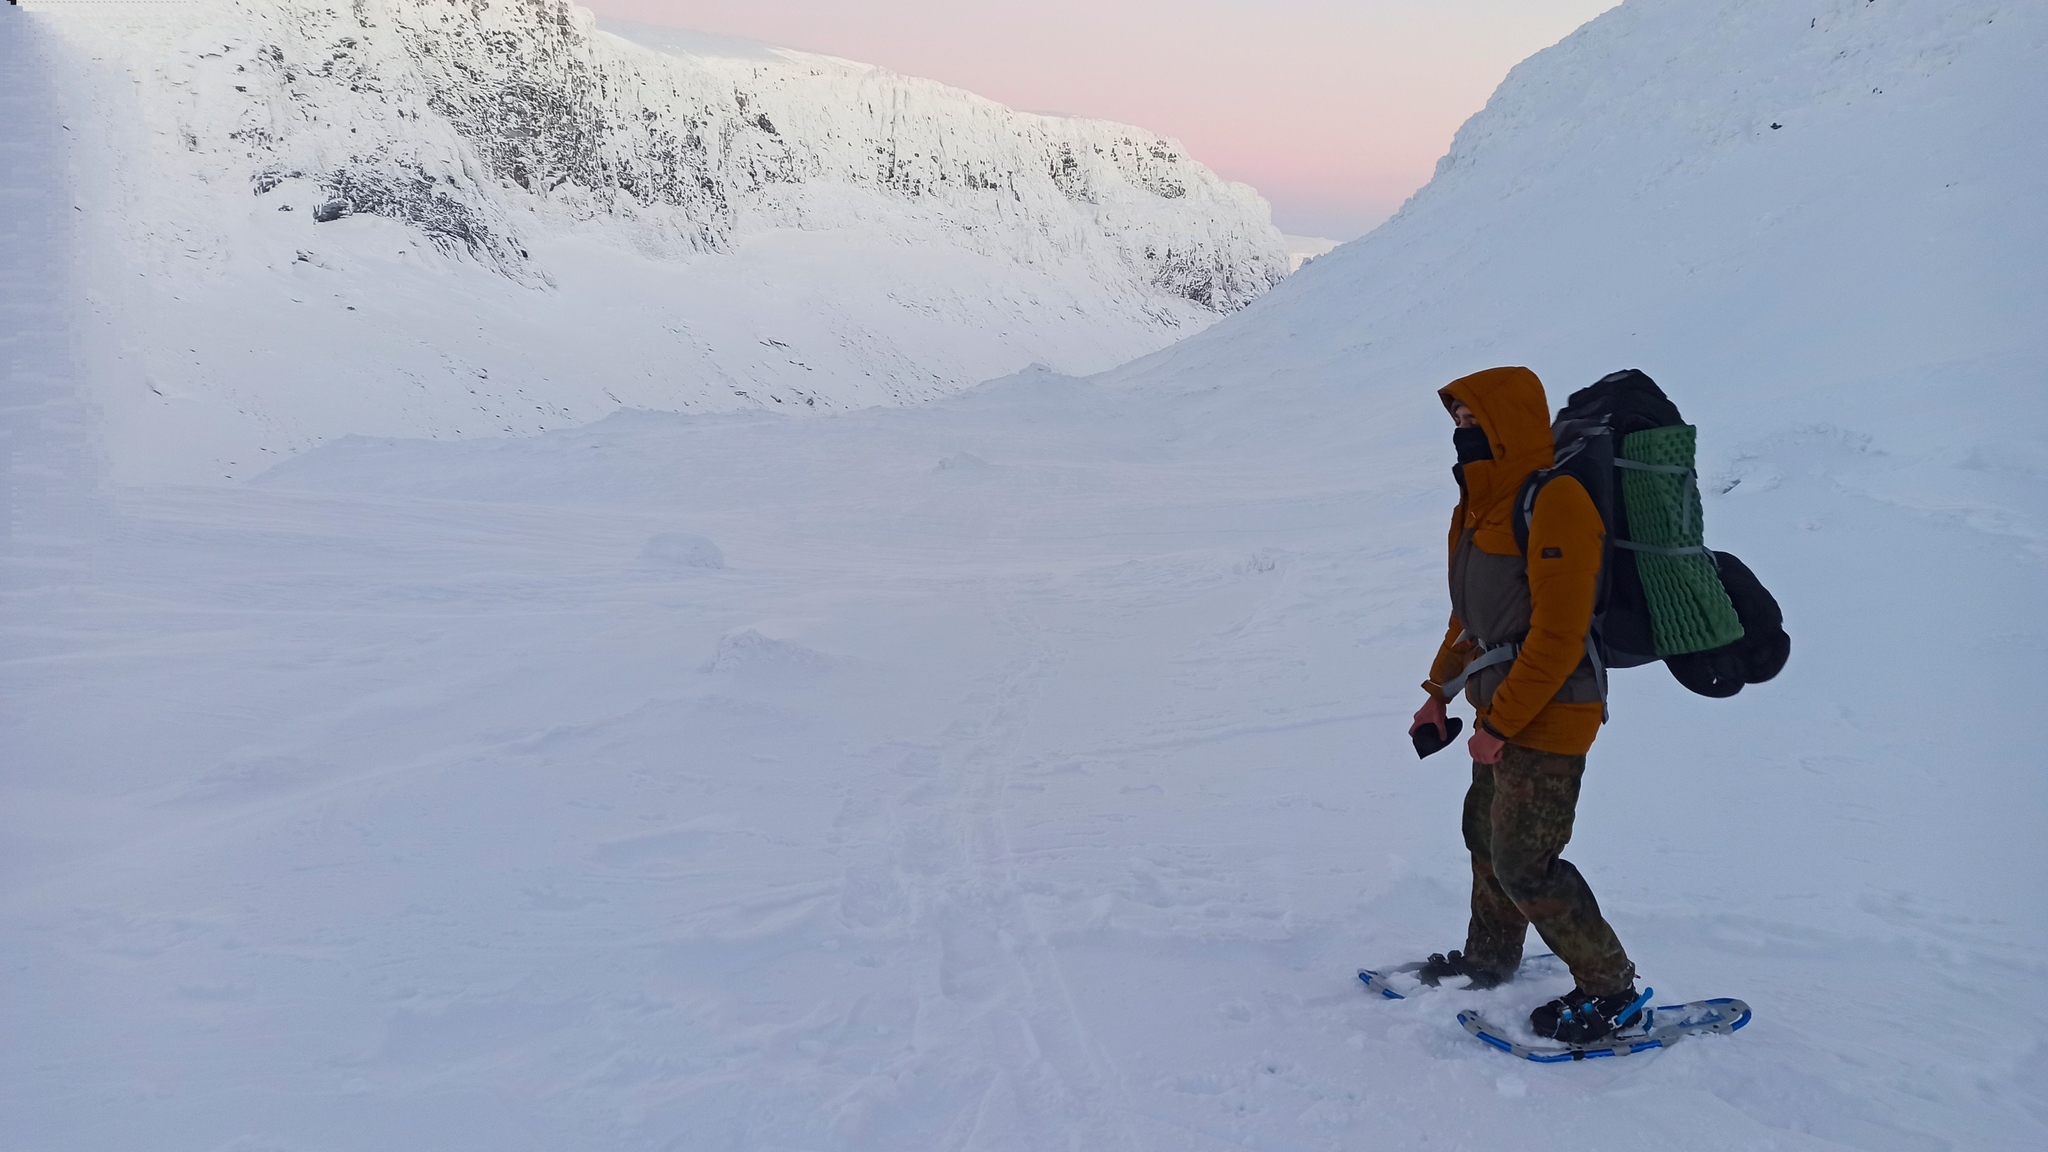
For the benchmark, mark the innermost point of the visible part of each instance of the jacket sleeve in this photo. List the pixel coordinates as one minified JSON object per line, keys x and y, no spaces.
{"x":1565,"y":536}
{"x":1451,"y":658}
{"x":1451,"y":655}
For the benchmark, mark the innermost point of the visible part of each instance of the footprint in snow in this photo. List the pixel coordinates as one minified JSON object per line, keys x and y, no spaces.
{"x":681,"y":550}
{"x":963,"y":462}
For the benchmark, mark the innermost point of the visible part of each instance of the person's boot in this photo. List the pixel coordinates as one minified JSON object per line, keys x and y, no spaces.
{"x":1580,"y":1018}
{"x":1440,"y":967}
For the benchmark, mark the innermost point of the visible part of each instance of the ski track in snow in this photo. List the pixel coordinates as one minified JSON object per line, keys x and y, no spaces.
{"x":1027,"y":771}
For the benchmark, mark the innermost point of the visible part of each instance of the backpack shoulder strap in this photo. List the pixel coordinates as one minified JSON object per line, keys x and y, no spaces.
{"x":1575,"y":458}
{"x":1525,"y":506}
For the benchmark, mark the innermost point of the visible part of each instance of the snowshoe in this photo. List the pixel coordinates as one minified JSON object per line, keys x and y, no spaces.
{"x":1655,"y":1028}
{"x":1440,"y":967}
{"x":1409,"y":979}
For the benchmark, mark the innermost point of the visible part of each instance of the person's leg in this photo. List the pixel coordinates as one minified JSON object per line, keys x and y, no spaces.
{"x":1535,"y":795}
{"x":1493,"y":941}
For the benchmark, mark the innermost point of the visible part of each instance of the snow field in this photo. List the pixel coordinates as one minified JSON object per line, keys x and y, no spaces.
{"x":1031,"y":773}
{"x":1046,"y":804}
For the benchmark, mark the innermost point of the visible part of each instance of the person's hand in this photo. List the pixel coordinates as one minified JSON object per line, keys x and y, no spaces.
{"x":1432,"y":713}
{"x":1484,"y":745}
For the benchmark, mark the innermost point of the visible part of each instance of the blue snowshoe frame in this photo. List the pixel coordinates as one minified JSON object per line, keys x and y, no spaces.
{"x":1661,"y":1027}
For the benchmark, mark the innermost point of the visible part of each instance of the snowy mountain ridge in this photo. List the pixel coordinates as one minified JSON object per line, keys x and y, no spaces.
{"x":830,"y":209}
{"x":698,"y":149}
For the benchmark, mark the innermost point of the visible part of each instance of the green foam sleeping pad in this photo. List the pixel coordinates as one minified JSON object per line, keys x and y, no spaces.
{"x":1689,"y":610}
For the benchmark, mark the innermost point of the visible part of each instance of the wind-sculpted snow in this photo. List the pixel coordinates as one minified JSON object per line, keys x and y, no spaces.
{"x":719,"y":201}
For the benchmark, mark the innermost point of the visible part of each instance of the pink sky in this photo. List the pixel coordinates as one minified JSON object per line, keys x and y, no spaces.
{"x":1336,"y":110}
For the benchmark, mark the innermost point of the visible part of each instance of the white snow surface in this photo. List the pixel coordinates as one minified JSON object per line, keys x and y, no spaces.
{"x":420,"y":218}
{"x":1027,"y":770}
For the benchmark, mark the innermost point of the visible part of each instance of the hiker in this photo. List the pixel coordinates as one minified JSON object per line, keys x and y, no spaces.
{"x":1517,"y":644}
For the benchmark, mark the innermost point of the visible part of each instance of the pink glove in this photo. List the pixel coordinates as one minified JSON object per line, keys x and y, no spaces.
{"x":1484,"y":745}
{"x":1432,"y":713}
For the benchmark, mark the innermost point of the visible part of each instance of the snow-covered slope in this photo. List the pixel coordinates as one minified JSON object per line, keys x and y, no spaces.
{"x":1784,"y":210}
{"x":1026,"y":770}
{"x":420,"y":218}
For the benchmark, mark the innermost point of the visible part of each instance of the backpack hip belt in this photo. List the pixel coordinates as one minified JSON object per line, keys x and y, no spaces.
{"x":1490,"y":655}
{"x":1494,"y":655}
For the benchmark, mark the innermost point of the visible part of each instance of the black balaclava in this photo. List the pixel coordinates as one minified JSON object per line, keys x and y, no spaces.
{"x":1472,"y":445}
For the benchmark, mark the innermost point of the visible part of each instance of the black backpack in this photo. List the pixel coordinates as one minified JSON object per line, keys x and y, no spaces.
{"x":1586,"y":433}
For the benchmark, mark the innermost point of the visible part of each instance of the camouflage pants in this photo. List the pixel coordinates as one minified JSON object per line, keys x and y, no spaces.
{"x":1518,"y":817}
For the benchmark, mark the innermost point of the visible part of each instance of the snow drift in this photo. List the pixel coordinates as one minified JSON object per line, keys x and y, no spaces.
{"x":1029,"y":771}
{"x":422,"y":218}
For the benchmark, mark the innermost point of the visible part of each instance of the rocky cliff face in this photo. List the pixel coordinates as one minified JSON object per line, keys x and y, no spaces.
{"x":451,"y":115}
{"x":457,"y":115}
{"x":854,"y":204}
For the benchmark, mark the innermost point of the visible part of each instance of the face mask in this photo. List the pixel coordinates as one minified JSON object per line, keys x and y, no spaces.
{"x":1472,"y":445}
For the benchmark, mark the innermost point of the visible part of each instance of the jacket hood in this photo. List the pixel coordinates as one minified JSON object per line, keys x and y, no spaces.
{"x":1510,"y":405}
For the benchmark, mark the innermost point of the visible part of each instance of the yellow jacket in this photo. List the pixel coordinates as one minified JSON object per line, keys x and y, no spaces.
{"x":1548,"y":698}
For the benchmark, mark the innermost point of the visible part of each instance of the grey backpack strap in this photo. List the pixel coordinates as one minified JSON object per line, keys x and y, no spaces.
{"x":1506,"y":653}
{"x":1695,"y":550}
{"x":1599,"y":673}
{"x":1487,"y":659}
{"x":1667,"y":469}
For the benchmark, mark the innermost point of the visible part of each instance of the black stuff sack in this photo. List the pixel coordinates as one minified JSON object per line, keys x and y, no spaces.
{"x":1760,"y":654}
